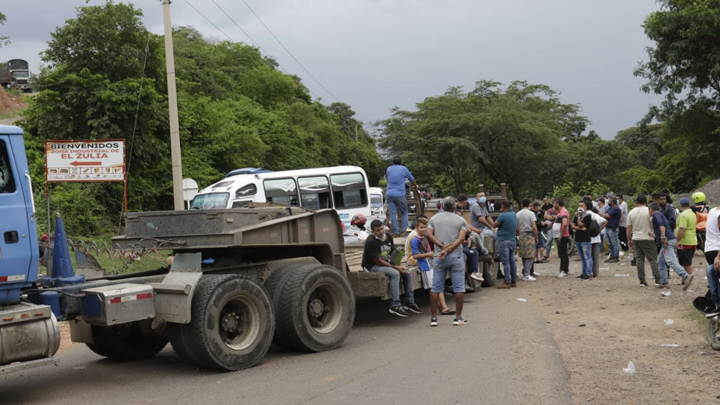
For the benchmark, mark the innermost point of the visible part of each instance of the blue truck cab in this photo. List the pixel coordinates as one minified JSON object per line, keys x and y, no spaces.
{"x":19,"y":254}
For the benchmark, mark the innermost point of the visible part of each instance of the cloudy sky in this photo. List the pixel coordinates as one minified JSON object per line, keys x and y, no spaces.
{"x":377,"y":54}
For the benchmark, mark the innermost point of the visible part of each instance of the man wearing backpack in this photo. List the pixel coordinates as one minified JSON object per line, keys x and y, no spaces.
{"x":581,"y":224}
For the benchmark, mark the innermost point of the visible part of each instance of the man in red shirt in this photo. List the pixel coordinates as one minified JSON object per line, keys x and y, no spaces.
{"x":561,"y":232}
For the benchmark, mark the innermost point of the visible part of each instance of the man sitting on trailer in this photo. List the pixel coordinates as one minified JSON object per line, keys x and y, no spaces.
{"x":376,"y":258}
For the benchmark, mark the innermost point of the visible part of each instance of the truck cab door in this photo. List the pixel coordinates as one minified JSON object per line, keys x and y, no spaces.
{"x":18,"y":234}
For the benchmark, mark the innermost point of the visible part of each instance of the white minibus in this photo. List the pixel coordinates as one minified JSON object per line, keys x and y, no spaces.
{"x":344,"y":188}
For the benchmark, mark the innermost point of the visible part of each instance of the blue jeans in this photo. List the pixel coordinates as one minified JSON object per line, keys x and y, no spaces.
{"x":585,"y":252}
{"x":471,"y":259}
{"x":666,"y":258}
{"x":527,"y":266}
{"x":453,"y":263}
{"x":393,"y":204}
{"x":548,"y":245}
{"x":611,"y":236}
{"x":713,"y":283}
{"x":394,"y":277}
{"x":507,"y":256}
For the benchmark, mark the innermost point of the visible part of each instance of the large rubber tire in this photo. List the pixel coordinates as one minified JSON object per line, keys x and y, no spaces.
{"x":571,"y":246}
{"x":314,"y":307}
{"x":489,"y":274}
{"x":125,"y":342}
{"x":231,"y":325}
{"x":712,"y":333}
{"x":471,"y":284}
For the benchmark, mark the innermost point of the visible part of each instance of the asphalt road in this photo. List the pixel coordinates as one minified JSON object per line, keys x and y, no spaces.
{"x":503,"y":356}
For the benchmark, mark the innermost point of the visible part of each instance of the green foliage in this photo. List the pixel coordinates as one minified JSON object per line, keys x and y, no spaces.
{"x":4,"y":39}
{"x":105,"y":79}
{"x":506,"y":135}
{"x":646,"y":141}
{"x":684,"y":66}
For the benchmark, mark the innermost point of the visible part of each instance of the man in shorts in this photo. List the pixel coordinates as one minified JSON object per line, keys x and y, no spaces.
{"x":686,"y":235}
{"x":419,"y":253}
{"x":447,"y":231}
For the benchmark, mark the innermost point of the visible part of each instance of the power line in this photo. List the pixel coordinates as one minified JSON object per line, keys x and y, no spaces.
{"x":208,"y":20}
{"x":262,"y":51}
{"x":288,"y":51}
{"x":365,"y":120}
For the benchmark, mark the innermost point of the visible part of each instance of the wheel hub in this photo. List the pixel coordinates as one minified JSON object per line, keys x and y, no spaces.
{"x":316,"y":308}
{"x":230,"y":322}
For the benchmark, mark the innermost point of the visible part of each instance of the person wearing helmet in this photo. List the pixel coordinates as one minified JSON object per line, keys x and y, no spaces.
{"x":700,"y":203}
{"x":359,"y":220}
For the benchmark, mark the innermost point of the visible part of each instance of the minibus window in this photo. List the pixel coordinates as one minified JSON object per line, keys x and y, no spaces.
{"x":315,"y":192}
{"x":349,"y":190}
{"x":281,"y":191}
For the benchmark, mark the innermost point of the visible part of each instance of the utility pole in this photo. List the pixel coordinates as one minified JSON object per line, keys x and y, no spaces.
{"x":172,"y":104}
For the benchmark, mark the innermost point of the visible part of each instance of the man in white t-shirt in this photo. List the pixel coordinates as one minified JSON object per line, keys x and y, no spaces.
{"x":596,"y":243}
{"x":527,"y":238}
{"x":622,"y":235}
{"x":712,"y":246}
{"x":639,"y":229}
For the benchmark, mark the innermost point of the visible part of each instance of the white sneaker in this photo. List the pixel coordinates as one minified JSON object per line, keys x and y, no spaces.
{"x":529,"y":278}
{"x":477,"y":276}
{"x":562,"y":274}
{"x":536,"y":274}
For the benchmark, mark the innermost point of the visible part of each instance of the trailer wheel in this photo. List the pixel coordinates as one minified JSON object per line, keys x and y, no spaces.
{"x":489,"y":274}
{"x":314,"y":307}
{"x":231,"y":327}
{"x":712,"y":333}
{"x":125,"y":342}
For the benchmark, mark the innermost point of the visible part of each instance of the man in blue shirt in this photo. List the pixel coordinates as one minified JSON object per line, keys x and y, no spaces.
{"x":506,"y":225}
{"x":613,"y":215}
{"x":666,"y":240}
{"x":396,"y":175}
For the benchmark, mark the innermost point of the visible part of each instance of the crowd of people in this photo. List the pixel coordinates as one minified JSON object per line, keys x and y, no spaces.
{"x":447,"y":246}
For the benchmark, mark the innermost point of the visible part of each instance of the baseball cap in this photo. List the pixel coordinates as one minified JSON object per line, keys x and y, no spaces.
{"x":685,"y":201}
{"x":610,"y":195}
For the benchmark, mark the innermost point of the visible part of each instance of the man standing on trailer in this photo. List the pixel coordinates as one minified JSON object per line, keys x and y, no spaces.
{"x":396,"y":175}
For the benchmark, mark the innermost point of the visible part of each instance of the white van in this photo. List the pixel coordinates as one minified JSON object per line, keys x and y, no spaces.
{"x":377,"y":202}
{"x":344,"y":188}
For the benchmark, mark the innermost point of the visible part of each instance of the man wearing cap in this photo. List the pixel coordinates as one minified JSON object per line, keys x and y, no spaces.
{"x":686,"y":235}
{"x":613,"y":216}
{"x":641,"y":239}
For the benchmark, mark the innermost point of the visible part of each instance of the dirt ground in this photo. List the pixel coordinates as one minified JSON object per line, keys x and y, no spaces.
{"x":602,"y":324}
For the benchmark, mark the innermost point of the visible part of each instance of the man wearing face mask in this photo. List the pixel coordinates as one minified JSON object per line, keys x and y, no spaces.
{"x":376,"y":258}
{"x":480,"y":218}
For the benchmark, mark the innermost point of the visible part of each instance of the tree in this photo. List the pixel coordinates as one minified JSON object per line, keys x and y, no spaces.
{"x":646,"y":141}
{"x":4,"y":39}
{"x":684,"y":65}
{"x":508,"y":135}
{"x":105,"y":79}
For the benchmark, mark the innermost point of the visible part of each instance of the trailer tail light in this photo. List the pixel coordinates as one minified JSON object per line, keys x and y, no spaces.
{"x":7,"y":279}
